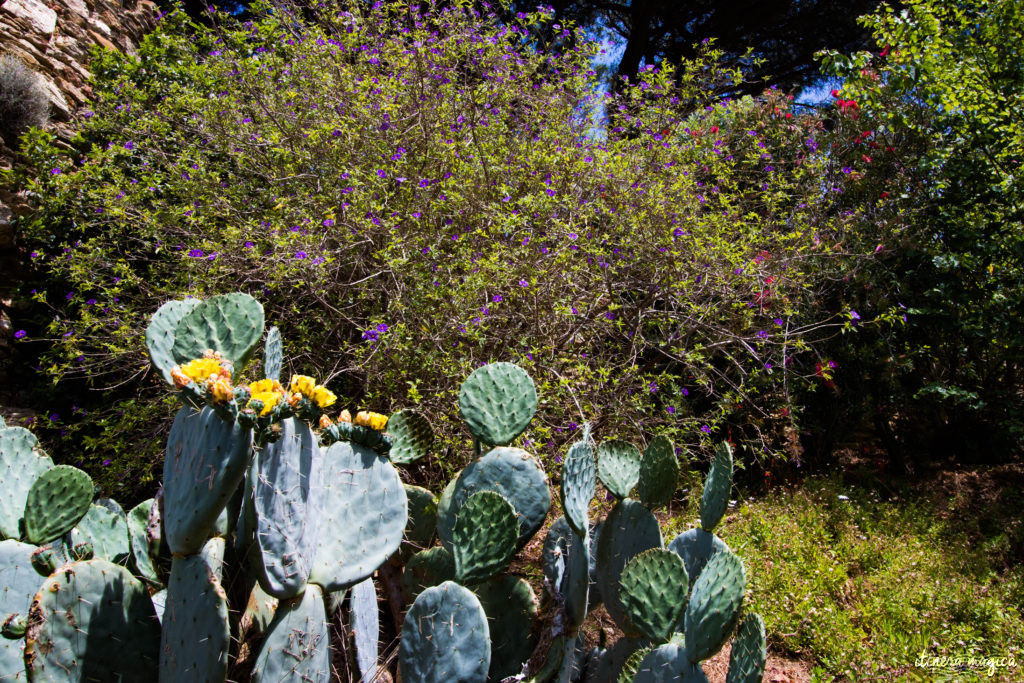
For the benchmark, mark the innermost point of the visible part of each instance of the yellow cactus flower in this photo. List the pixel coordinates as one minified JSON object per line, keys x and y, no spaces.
{"x":325,"y":422}
{"x":345,"y":416}
{"x":265,"y":385}
{"x":269,"y":399}
{"x":200,"y":369}
{"x":323,"y":396}
{"x":181,"y":380}
{"x":222,"y":390}
{"x":374,"y":421}
{"x":303,"y":384}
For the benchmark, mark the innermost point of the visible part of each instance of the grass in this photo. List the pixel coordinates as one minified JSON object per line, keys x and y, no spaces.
{"x":863,"y":586}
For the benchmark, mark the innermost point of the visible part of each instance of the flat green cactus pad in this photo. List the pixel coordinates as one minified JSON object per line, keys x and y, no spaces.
{"x":629,"y":529}
{"x":669,"y":664}
{"x":653,"y":591}
{"x":484,"y":538}
{"x":107,"y":531}
{"x":714,"y":606}
{"x":618,"y":465}
{"x":412,"y":436}
{"x":749,"y":651}
{"x":57,"y":501}
{"x":21,"y":463}
{"x":160,"y":335}
{"x":659,"y":473}
{"x":92,"y":621}
{"x":230,"y":324}
{"x":296,"y":645}
{"x":564,"y":559}
{"x":510,"y":606}
{"x":497,"y":402}
{"x":445,"y":637}
{"x":717,"y":487}
{"x":579,"y":479}
{"x":19,"y":585}
{"x":426,"y":569}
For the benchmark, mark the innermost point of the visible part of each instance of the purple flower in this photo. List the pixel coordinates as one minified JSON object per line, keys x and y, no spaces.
{"x":610,"y":315}
{"x":558,"y":459}
{"x":573,"y":236}
{"x":761,"y":334}
{"x":300,"y":255}
{"x":496,"y":298}
{"x":382,"y":327}
{"x":249,"y":245}
{"x":328,"y":222}
{"x":671,"y":410}
{"x":90,"y":302}
{"x":684,"y":391}
{"x":705,"y":429}
{"x":196,"y":253}
{"x":523,"y":283}
{"x":55,"y":171}
{"x":811,"y":144}
{"x":129,"y":145}
{"x":847,"y":170}
{"x":654,"y":387}
{"x":20,"y":334}
{"x":211,"y":257}
{"x":854,"y":315}
{"x":778,"y":321}
{"x":106,"y":462}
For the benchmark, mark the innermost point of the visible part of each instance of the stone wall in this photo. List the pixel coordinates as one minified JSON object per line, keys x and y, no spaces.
{"x":55,"y":38}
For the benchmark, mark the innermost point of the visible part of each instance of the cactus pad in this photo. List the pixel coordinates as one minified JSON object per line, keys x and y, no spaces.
{"x":714,"y":606}
{"x":717,"y":488}
{"x":497,"y":402}
{"x":659,"y":473}
{"x":273,"y":354}
{"x":143,"y":550}
{"x":629,"y":529}
{"x":426,"y":569}
{"x":92,"y":621}
{"x":296,"y":645}
{"x":419,"y":531}
{"x":513,"y":473}
{"x":363,"y":512}
{"x":484,"y":538}
{"x":195,"y":639}
{"x":20,"y":583}
{"x":365,"y":622}
{"x":653,"y":591}
{"x":230,"y":324}
{"x":57,"y":501}
{"x":445,"y":637}
{"x":669,"y":663}
{"x":206,"y":459}
{"x":287,"y":478}
{"x":618,"y":465}
{"x":510,"y":606}
{"x":21,"y":463}
{"x":107,"y":531}
{"x":412,"y":436}
{"x":579,"y":479}
{"x":160,"y":335}
{"x":564,"y":559}
{"x":749,"y":651}
{"x":696,"y":547}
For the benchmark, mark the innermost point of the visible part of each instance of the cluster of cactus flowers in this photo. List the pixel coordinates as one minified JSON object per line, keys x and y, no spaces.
{"x":274,"y":519}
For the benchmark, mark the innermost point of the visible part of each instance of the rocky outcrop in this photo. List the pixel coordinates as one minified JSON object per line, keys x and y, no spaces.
{"x":55,"y":38}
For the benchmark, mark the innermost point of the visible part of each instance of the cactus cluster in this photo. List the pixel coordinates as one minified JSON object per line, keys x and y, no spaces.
{"x":276,"y":520}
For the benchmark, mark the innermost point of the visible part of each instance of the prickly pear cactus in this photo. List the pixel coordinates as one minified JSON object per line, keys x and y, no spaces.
{"x":196,"y":636}
{"x":749,"y":651}
{"x":229,"y":324}
{"x":714,"y":606}
{"x":287,"y":481}
{"x":21,"y":463}
{"x":206,"y":460}
{"x":143,"y":549}
{"x":618,"y":465}
{"x":107,"y":532}
{"x":579,"y":479}
{"x":511,"y":607}
{"x":160,"y":335}
{"x":19,"y":585}
{"x":363,"y":512}
{"x":296,"y":645}
{"x":422,"y":524}
{"x":92,"y":621}
{"x":412,"y":436}
{"x":426,"y":569}
{"x":696,"y":547}
{"x":445,"y":637}
{"x":484,"y":539}
{"x":273,"y":354}
{"x":564,"y":559}
{"x":717,"y":487}
{"x":629,"y":530}
{"x":659,"y":472}
{"x":497,"y":402}
{"x":667,"y":663}
{"x":57,"y":501}
{"x":364,"y":616}
{"x":653,"y":591}
{"x":513,"y":473}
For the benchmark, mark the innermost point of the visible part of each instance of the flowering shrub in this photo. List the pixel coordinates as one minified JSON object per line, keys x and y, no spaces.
{"x":414,"y":194}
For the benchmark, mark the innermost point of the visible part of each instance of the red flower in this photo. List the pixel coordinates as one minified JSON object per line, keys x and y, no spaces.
{"x":835,"y":93}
